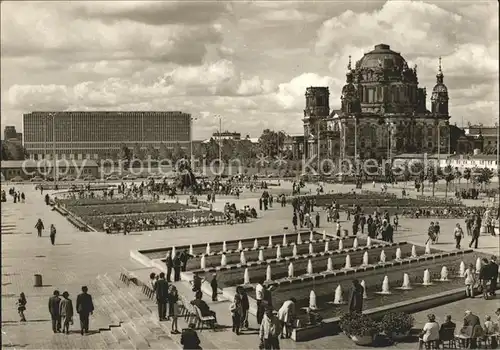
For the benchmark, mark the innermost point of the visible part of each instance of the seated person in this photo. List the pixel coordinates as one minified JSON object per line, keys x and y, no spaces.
{"x":489,"y":327}
{"x":447,"y":330}
{"x":202,"y":305}
{"x":430,"y":332}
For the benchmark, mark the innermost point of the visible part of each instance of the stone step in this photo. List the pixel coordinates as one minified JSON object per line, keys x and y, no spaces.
{"x":109,"y":339}
{"x":123,"y":340}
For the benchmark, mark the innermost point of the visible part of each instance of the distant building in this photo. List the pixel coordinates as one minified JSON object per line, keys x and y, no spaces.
{"x":96,"y":134}
{"x":10,"y":134}
{"x":227,"y":135}
{"x":478,"y":137}
{"x":294,"y":146}
{"x":479,"y":161}
{"x":29,"y":168}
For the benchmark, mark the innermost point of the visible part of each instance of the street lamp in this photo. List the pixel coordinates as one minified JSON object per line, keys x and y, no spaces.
{"x":390,"y":129}
{"x":53,"y":115}
{"x":191,"y":119}
{"x":220,"y":137}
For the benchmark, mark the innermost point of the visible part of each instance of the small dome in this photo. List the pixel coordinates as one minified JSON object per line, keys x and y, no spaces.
{"x":382,"y":56}
{"x":440,"y":88}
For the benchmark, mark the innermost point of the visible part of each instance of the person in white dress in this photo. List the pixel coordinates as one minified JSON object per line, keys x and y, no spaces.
{"x":430,"y":332}
{"x":286,"y":315}
{"x":470,"y":281}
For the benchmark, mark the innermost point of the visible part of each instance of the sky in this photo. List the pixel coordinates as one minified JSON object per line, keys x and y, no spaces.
{"x":246,"y":61}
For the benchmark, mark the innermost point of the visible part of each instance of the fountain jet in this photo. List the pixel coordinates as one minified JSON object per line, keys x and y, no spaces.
{"x":207,"y":251}
{"x":479,"y":264}
{"x":427,"y":278}
{"x":299,"y":238}
{"x":312,"y":301}
{"x":261,"y":255}
{"x":355,"y":243}
{"x":191,"y":250}
{"x":240,"y":246}
{"x":339,"y":297}
{"x":310,"y":267}
{"x":341,"y":245}
{"x":243,"y":260}
{"x":366,"y":260}
{"x":414,"y":251}
{"x":223,"y":260}
{"x":428,"y":248}
{"x":224,"y":247}
{"x":382,"y":257}
{"x":406,"y":282}
{"x":285,"y":243}
{"x":278,"y":252}
{"x":327,"y":246}
{"x":365,"y":294}
{"x":203,"y":262}
{"x":311,"y":248}
{"x":311,"y":236}
{"x":461,"y":270}
{"x":368,"y":241}
{"x":173,"y":253}
{"x":270,"y":244}
{"x":398,"y":254}
{"x":256,"y":244}
{"x":385,"y":287}
{"x":246,"y":277}
{"x":329,"y":265}
{"x":269,"y":276}
{"x":324,"y":235}
{"x":294,"y":251}
{"x":347,"y":262}
{"x":444,"y":274}
{"x":290,"y":271}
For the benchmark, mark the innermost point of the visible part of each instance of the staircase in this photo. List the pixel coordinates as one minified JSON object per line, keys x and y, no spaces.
{"x":138,"y":328}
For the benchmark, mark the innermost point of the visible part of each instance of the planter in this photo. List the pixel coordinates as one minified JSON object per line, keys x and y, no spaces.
{"x":362,"y":340}
{"x":399,"y":336}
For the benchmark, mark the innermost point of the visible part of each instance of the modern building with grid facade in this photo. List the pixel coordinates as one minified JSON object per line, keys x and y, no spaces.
{"x":95,"y":134}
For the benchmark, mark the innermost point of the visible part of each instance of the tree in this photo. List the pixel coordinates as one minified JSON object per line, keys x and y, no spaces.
{"x":138,"y":153}
{"x":164,"y":152}
{"x":124,"y":155}
{"x":271,"y":142}
{"x":482,"y":177}
{"x":177,"y":153}
{"x":467,"y":176}
{"x":13,"y":151}
{"x":211,"y":150}
{"x":449,"y":175}
{"x":228,"y":147}
{"x":458,"y":176}
{"x":243,"y":150}
{"x":151,"y":152}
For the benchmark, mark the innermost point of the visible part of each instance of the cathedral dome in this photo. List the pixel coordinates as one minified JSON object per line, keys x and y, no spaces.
{"x":381,"y":57}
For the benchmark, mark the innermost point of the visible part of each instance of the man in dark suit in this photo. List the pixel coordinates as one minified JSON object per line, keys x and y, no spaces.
{"x":356,"y":297}
{"x":177,"y":267}
{"x":55,"y":315}
{"x":84,"y":307}
{"x":493,"y":275}
{"x":161,"y":291}
{"x":472,"y":329}
{"x":170,"y":264}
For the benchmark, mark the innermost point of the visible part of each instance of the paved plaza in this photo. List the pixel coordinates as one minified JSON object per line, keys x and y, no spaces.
{"x":79,"y":257}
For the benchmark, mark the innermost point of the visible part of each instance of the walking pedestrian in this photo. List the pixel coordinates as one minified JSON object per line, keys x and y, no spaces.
{"x":177,"y":267}
{"x":161,"y":292}
{"x":55,"y":316}
{"x":214,"y":286}
{"x":39,"y":227}
{"x":475,"y":235}
{"x":21,"y":306}
{"x":173,"y":307}
{"x":235,"y":309}
{"x":185,"y":256}
{"x":458,"y":234}
{"x":170,"y":264}
{"x":66,"y":312}
{"x":270,"y":330}
{"x":494,"y":276}
{"x":85,"y":308}
{"x":52,"y":234}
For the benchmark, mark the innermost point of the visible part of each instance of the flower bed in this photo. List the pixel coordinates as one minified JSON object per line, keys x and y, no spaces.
{"x":99,"y":201}
{"x":127,"y":208}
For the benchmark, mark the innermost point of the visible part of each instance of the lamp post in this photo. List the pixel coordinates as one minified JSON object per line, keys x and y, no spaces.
{"x":191,"y":119}
{"x":220,"y":137}
{"x":319,"y":143}
{"x":390,"y":126}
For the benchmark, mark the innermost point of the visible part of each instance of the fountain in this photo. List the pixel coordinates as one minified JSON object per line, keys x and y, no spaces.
{"x":191,"y":250}
{"x":299,"y":238}
{"x":444,"y":274}
{"x":427,"y":278}
{"x":261,"y":255}
{"x":290,"y":270}
{"x":268,"y":273}
{"x":285,"y":243}
{"x":311,"y":236}
{"x":382,"y":257}
{"x":173,"y":253}
{"x":310,"y":267}
{"x":366,"y":260}
{"x":207,"y":252}
{"x":246,"y":277}
{"x":312,"y":301}
{"x":385,"y":287}
{"x":363,"y":284}
{"x":324,"y":235}
{"x":270,"y":244}
{"x":339,"y":298}
{"x":311,"y":248}
{"x":341,"y":245}
{"x":406,"y":282}
{"x":329,"y":265}
{"x":224,"y":247}
{"x":414,"y":251}
{"x":278,"y":252}
{"x":327,"y":246}
{"x":240,"y":246}
{"x":398,"y":254}
{"x":203,"y":262}
{"x":347,"y":262}
{"x":368,"y":241}
{"x":294,"y":251}
{"x":223,"y":260}
{"x":461,"y":270}
{"x":355,"y":243}
{"x":243,"y":260}
{"x":479,"y":264}
{"x":256,"y":244}
{"x":428,"y":248}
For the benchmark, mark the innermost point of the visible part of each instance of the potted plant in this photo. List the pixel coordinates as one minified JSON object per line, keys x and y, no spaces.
{"x":360,"y":328}
{"x":397,"y":325}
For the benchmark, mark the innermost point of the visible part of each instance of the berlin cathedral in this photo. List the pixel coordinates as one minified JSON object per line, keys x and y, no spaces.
{"x":383,"y":112}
